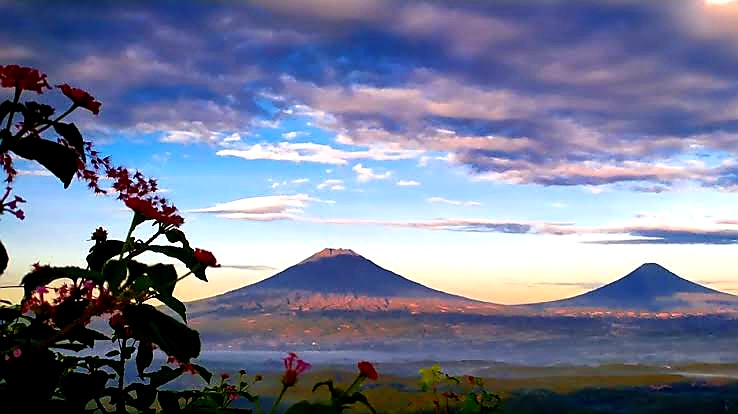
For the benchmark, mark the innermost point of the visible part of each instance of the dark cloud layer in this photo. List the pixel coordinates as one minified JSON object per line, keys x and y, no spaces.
{"x":549,"y":92}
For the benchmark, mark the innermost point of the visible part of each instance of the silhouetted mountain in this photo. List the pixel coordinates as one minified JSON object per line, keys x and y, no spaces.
{"x":649,"y":287}
{"x":332,"y":279}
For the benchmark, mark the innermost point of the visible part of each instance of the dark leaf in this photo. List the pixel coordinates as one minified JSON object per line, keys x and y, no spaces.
{"x":112,"y":353}
{"x":172,"y":336}
{"x":329,"y":384}
{"x":102,"y":252}
{"x":41,"y":277}
{"x":5,"y":109}
{"x":114,"y":272}
{"x":144,"y":357}
{"x":9,"y":314}
{"x":85,"y":336}
{"x":204,"y":373}
{"x":72,"y":135}
{"x":164,"y":375}
{"x":358,"y":397}
{"x":58,"y":159}
{"x":185,"y":255}
{"x":70,"y":311}
{"x":4,"y":259}
{"x":163,"y":277}
{"x":69,"y":345}
{"x":176,"y":235}
{"x":80,"y":388}
{"x":305,"y":407}
{"x":169,"y":401}
{"x":145,"y":395}
{"x":174,"y":304}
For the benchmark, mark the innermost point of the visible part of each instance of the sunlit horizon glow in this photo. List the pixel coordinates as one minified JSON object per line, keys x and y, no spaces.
{"x":507,"y":151}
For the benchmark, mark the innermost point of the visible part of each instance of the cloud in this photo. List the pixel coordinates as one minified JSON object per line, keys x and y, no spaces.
{"x":35,"y":173}
{"x":264,"y":208}
{"x":312,"y":152}
{"x":407,"y":183}
{"x":293,"y":134}
{"x":441,"y":200}
{"x":366,"y":174}
{"x":552,"y":98}
{"x":255,"y":268}
{"x":332,"y":184}
{"x":300,"y":181}
{"x":581,"y":285}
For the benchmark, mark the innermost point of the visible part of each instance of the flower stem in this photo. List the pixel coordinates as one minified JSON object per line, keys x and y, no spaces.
{"x":277,"y":401}
{"x":128,"y":236}
{"x":121,"y":406}
{"x":16,"y":98}
{"x":58,"y":118}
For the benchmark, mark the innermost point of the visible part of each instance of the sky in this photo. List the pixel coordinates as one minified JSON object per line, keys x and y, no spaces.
{"x":507,"y":151}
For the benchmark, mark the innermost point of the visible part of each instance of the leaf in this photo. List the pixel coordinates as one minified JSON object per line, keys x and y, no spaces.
{"x":72,"y":135}
{"x":305,"y":407}
{"x":168,"y":400}
{"x":175,"y":235}
{"x":79,"y":388}
{"x":185,"y":255}
{"x":101,"y":252}
{"x":144,"y":357}
{"x":358,"y":397}
{"x":172,"y":336}
{"x":5,"y":109}
{"x":163,"y":278}
{"x":329,"y":384}
{"x":164,"y":375}
{"x":112,"y":353}
{"x":4,"y":258}
{"x":204,"y":373}
{"x":114,"y":272}
{"x":85,"y":336}
{"x":58,"y":159}
{"x":41,"y":277}
{"x":145,"y":395}
{"x":174,"y":304}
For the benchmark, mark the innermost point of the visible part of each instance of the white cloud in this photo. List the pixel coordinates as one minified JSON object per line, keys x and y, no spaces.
{"x":441,"y":200}
{"x":407,"y":183}
{"x":333,"y":185}
{"x":264,"y":208}
{"x":293,"y":134}
{"x":312,"y":152}
{"x":36,"y":173}
{"x":365,"y":174}
{"x":300,"y":180}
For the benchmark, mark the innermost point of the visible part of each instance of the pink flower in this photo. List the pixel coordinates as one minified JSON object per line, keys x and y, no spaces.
{"x":41,"y":290}
{"x":293,"y":367}
{"x":17,"y":353}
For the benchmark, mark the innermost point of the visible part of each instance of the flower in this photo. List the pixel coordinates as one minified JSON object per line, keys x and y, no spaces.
{"x":293,"y":367}
{"x":148,"y":209}
{"x":366,"y":369}
{"x":225,"y":376}
{"x":99,"y":235}
{"x":206,"y":258}
{"x":17,"y":353}
{"x":23,"y":78}
{"x":81,"y":98}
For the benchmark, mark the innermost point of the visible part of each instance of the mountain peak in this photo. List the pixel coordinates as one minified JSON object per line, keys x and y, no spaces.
{"x":330,"y":252}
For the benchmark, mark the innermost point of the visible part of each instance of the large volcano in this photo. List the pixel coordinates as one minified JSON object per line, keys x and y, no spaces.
{"x":332,"y":279}
{"x":649,"y":287}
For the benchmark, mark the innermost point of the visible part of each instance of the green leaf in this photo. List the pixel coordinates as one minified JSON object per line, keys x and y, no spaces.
{"x":144,"y":357}
{"x":114,"y":272}
{"x":169,"y":401}
{"x":174,"y":304}
{"x":176,"y":235}
{"x":70,"y":133}
{"x":329,"y":384}
{"x":172,"y":336}
{"x":185,"y":255}
{"x":164,"y":375}
{"x":358,"y":397}
{"x":101,"y":252}
{"x":58,"y":159}
{"x":113,"y":353}
{"x":163,"y":278}
{"x":4,"y":258}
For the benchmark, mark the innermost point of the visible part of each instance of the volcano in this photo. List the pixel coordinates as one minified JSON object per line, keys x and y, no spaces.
{"x":650,"y":287}
{"x":332,"y":279}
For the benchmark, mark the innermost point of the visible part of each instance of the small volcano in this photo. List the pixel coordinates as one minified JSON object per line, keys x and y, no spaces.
{"x":649,"y":287}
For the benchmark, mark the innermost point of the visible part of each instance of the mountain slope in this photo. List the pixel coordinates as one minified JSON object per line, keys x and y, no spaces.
{"x":649,"y":287}
{"x":333,"y":279}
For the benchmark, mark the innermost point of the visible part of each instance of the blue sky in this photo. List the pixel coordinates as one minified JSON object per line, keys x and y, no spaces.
{"x":508,"y":151}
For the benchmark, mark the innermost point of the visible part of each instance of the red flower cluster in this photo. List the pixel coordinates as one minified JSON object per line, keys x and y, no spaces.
{"x":81,"y":98}
{"x":206,"y":258}
{"x":162,"y":213}
{"x":99,"y":235}
{"x":186,"y":367}
{"x":366,"y":369}
{"x":23,"y":78}
{"x":98,"y":301}
{"x":293,"y":367}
